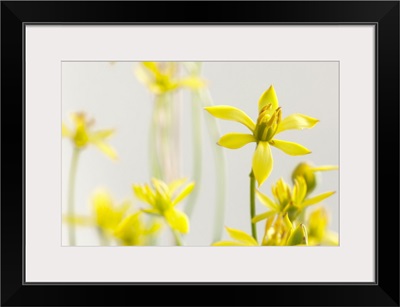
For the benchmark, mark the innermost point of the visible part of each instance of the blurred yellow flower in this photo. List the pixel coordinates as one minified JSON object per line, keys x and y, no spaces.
{"x":163,"y":199}
{"x":81,"y":135}
{"x":107,"y":215}
{"x":279,"y":231}
{"x":286,"y":200}
{"x":240,"y":238}
{"x":318,"y":229}
{"x":161,"y":77}
{"x":133,"y":231}
{"x":308,"y":172}
{"x":268,"y":124}
{"x":115,"y":221}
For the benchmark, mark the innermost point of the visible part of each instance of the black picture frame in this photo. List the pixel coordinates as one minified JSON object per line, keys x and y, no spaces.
{"x":384,"y":15}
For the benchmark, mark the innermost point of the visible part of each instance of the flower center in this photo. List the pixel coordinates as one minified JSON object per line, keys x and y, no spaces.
{"x":267,"y":123}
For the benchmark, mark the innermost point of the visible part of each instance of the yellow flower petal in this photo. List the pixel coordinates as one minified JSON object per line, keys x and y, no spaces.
{"x":290,"y":148}
{"x":81,"y":136}
{"x":106,"y":149}
{"x":323,"y":168}
{"x":107,"y":215}
{"x":78,"y":220}
{"x":153,"y":228}
{"x":152,"y":67}
{"x":317,"y":224}
{"x":317,"y":199}
{"x":231,"y":113}
{"x":262,"y":216}
{"x":177,"y":220}
{"x":298,"y":236}
{"x":101,"y":134}
{"x":192,"y":82}
{"x":161,"y":187}
{"x":241,"y":236}
{"x":266,"y":201}
{"x":236,"y":140}
{"x":185,"y":192}
{"x":297,"y":121}
{"x":142,"y":193}
{"x":65,"y":131}
{"x":331,"y":238}
{"x":176,"y":184}
{"x":287,"y":222}
{"x":151,"y":211}
{"x":299,"y":190}
{"x":268,"y":97}
{"x":143,"y":76}
{"x":130,"y":230}
{"x":262,"y":162}
{"x":228,"y":243}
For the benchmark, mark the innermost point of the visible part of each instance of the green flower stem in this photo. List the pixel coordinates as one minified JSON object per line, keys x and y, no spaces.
{"x":197,"y":153}
{"x":177,"y":237}
{"x":175,"y":135}
{"x":104,"y":241}
{"x":165,"y":138}
{"x":253,"y":205}
{"x":155,"y":163}
{"x":220,"y":167}
{"x":71,"y":194}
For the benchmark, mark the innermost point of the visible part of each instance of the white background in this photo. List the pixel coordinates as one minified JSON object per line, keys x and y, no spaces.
{"x":47,"y":260}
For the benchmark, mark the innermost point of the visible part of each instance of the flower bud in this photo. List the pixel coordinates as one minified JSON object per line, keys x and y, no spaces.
{"x":267,"y":124}
{"x":306,"y":171}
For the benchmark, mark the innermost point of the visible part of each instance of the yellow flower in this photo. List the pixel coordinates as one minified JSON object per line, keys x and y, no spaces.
{"x":308,"y":172}
{"x":240,"y":238}
{"x":163,"y":200}
{"x":107,"y":215}
{"x":81,"y":135}
{"x":286,"y":200}
{"x":279,"y":231}
{"x":115,"y":221}
{"x":318,"y":229}
{"x":269,"y":124}
{"x":133,"y":231}
{"x":161,"y":77}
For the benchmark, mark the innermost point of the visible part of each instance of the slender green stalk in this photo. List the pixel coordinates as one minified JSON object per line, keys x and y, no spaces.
{"x":253,"y":205}
{"x":155,"y":163}
{"x":220,"y":168}
{"x":197,"y":152}
{"x":177,"y":237}
{"x":71,"y":194}
{"x":176,"y":134}
{"x":104,"y":241}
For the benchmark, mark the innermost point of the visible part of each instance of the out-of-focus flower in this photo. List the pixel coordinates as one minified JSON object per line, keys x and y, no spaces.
{"x":116,"y":221}
{"x":308,"y":172}
{"x":240,"y":238}
{"x":279,"y":231}
{"x":107,"y":215}
{"x":318,"y":229}
{"x":161,"y":77}
{"x":81,"y":135}
{"x":133,"y":231}
{"x":268,"y":124}
{"x":286,"y":200}
{"x":163,"y":199}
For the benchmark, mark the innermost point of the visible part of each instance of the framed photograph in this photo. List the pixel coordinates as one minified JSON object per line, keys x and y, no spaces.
{"x":232,"y":150}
